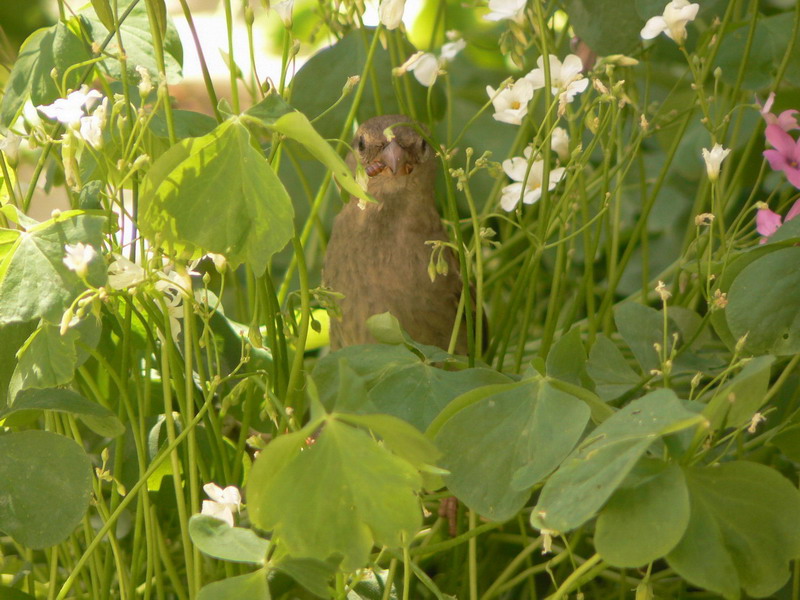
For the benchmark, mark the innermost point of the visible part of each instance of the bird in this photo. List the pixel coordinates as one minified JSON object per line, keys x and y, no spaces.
{"x":378,"y":255}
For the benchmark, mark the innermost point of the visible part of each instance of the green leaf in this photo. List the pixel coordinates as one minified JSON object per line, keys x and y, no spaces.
{"x":269,"y":110}
{"x":567,"y":358}
{"x":788,"y":441}
{"x":611,"y":373}
{"x":313,"y":575}
{"x":14,"y":336}
{"x":646,"y":517}
{"x":318,"y":84}
{"x":385,"y":328}
{"x":763,"y":303}
{"x":372,"y":362}
{"x":417,"y":393}
{"x":137,"y":39}
{"x":588,"y":477}
{"x":46,"y":49}
{"x":733,"y":404}
{"x":187,"y":124}
{"x":46,"y":360}
{"x":46,"y":485}
{"x":252,"y":586}
{"x":34,"y":282}
{"x":641,"y":327}
{"x":102,"y":9}
{"x":607,"y":26}
{"x":743,"y":531}
{"x":216,"y":538}
{"x":295,"y":125}
{"x":771,"y":38}
{"x":218,"y":193}
{"x":505,"y":440}
{"x":98,"y":418}
{"x":340,"y":495}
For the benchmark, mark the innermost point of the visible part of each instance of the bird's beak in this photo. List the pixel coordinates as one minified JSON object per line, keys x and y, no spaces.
{"x":394,"y":157}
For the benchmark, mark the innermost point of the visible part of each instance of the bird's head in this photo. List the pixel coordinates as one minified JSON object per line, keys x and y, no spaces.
{"x":399,"y":162}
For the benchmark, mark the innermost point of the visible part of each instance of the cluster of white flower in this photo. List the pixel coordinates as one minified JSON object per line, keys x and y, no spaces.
{"x":528,"y":175}
{"x":566,"y":81}
{"x":75,"y":112}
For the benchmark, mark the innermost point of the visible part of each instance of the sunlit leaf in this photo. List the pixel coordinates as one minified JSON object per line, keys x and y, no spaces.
{"x":34,"y":282}
{"x":252,"y":586}
{"x":216,"y":538}
{"x":219,"y":194}
{"x":339,"y":495}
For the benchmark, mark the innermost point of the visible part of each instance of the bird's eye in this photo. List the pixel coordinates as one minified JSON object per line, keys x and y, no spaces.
{"x":362,"y":145}
{"x":423,"y":147}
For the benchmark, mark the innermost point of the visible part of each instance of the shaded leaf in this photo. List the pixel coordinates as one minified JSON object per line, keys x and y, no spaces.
{"x":46,"y":485}
{"x":567,"y":358}
{"x":763,"y":303}
{"x":98,"y":418}
{"x":733,"y":404}
{"x":587,"y":478}
{"x":505,"y":440}
{"x":611,"y":373}
{"x":743,"y":532}
{"x":646,"y":517}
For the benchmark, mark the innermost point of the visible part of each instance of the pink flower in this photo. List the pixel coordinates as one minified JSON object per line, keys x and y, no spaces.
{"x":786,"y":154}
{"x":786,"y":120}
{"x":768,"y":222}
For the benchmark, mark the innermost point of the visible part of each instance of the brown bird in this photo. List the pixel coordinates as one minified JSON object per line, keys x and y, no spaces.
{"x":377,"y":256}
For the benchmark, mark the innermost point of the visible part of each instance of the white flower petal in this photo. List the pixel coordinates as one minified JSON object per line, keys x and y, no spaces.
{"x":653,"y":27}
{"x":390,"y":13}
{"x":425,"y":69}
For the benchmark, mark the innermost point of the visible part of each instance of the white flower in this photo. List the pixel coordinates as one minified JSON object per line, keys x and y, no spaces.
{"x":565,"y":78}
{"x":450,"y":49}
{"x":390,"y":13}
{"x":425,"y":68}
{"x":713,"y":159}
{"x":284,"y":9}
{"x":174,"y":286}
{"x":511,"y":104}
{"x":531,"y":191}
{"x":145,"y":83}
{"x":78,"y":257}
{"x":559,"y":142}
{"x":123,"y":273}
{"x":69,"y":110}
{"x":672,"y":23}
{"x":506,"y":9}
{"x":223,"y":502}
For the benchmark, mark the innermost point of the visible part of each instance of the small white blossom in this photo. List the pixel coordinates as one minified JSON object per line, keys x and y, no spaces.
{"x":754,"y":421}
{"x":174,"y":287}
{"x":123,"y":273}
{"x":69,"y":110}
{"x":223,"y":502}
{"x":425,"y":68}
{"x":530,"y":189}
{"x":390,"y":13}
{"x":672,"y":23}
{"x":506,"y":9}
{"x":559,"y":142}
{"x":714,"y":158}
{"x":451,"y":49}
{"x":145,"y":83}
{"x":511,"y":104}
{"x":284,"y":9}
{"x":547,"y":540}
{"x":565,"y":78}
{"x":78,"y":257}
{"x":30,"y":114}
